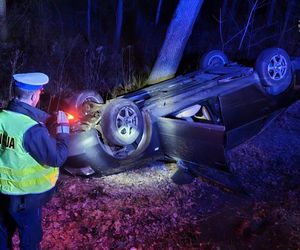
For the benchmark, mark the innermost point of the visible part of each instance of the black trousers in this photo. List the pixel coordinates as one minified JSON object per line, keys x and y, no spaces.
{"x":25,"y":213}
{"x":29,"y":224}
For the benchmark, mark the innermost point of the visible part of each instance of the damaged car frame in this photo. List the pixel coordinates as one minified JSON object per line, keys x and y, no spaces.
{"x":193,"y":118}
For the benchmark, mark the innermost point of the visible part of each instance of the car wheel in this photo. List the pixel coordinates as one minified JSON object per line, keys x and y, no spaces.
{"x":121,"y":122}
{"x":214,"y":58}
{"x":273,"y":66}
{"x":80,"y":100}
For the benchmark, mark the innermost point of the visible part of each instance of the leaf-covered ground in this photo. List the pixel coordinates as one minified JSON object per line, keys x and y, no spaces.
{"x":144,"y":209}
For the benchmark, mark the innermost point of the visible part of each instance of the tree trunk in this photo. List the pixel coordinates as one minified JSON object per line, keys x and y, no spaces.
{"x":119,"y":21}
{"x":224,"y":8}
{"x":286,"y":20}
{"x":3,"y":24}
{"x":179,"y":31}
{"x":251,"y":14}
{"x":158,"y":12}
{"x":271,"y":12}
{"x":234,"y":8}
{"x":89,"y":20}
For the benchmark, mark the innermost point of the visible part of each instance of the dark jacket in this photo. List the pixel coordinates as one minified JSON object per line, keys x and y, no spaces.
{"x":44,"y":148}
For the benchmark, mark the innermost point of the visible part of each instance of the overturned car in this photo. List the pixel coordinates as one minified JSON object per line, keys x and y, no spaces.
{"x":194,"y":118}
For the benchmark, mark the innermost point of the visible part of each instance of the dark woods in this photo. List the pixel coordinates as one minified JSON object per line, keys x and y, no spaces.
{"x":114,"y":43}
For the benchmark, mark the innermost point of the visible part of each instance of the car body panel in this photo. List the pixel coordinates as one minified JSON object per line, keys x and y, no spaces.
{"x":174,"y":95}
{"x":88,"y":149}
{"x":193,"y":142}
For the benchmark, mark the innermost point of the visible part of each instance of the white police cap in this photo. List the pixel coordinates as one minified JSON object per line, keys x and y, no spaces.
{"x":31,"y":81}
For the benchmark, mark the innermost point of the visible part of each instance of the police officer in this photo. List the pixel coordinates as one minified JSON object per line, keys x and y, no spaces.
{"x":29,"y":161}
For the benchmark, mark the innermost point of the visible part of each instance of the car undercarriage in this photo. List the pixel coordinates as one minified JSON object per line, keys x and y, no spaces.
{"x":191,"y":119}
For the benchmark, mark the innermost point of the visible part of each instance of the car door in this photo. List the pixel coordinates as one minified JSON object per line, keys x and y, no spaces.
{"x":245,"y":112}
{"x":202,"y":143}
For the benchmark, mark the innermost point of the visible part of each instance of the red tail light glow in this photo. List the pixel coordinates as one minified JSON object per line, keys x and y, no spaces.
{"x":70,"y":116}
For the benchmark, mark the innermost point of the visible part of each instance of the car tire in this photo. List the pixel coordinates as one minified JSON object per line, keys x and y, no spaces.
{"x":273,"y":66}
{"x":83,"y":96}
{"x":121,"y":122}
{"x":214,"y":58}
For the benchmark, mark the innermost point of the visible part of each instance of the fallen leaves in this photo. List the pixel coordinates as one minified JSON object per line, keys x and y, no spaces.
{"x":144,"y":209}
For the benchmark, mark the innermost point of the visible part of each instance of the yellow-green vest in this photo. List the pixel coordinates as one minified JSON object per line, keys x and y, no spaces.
{"x":20,"y":173}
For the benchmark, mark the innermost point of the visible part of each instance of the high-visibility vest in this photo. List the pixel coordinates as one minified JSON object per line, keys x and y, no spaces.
{"x":20,"y":173}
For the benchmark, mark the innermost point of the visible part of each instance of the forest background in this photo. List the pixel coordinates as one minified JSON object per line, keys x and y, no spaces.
{"x":109,"y":44}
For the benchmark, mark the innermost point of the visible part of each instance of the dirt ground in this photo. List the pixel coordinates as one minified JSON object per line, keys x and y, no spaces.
{"x":144,"y":209}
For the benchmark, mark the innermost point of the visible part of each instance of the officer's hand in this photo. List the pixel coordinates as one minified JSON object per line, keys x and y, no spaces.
{"x":62,"y":123}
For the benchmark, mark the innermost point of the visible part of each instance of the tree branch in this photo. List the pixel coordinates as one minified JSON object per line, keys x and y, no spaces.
{"x":220,"y":28}
{"x":248,"y":23}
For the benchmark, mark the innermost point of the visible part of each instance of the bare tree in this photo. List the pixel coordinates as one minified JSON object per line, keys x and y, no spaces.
{"x":245,"y":33}
{"x":119,"y":21}
{"x":224,"y":8}
{"x":89,"y":19}
{"x":288,"y":11}
{"x":3,"y":24}
{"x":176,"y":38}
{"x":271,"y":12}
{"x":93,"y":63}
{"x":158,"y":12}
{"x":16,"y":62}
{"x":252,"y":11}
{"x":221,"y":28}
{"x":234,"y":8}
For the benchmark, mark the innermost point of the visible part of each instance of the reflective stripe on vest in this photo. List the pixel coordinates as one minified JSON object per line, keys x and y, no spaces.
{"x":20,"y":173}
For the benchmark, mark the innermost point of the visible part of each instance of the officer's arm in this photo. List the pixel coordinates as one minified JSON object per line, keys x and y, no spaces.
{"x":44,"y":148}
